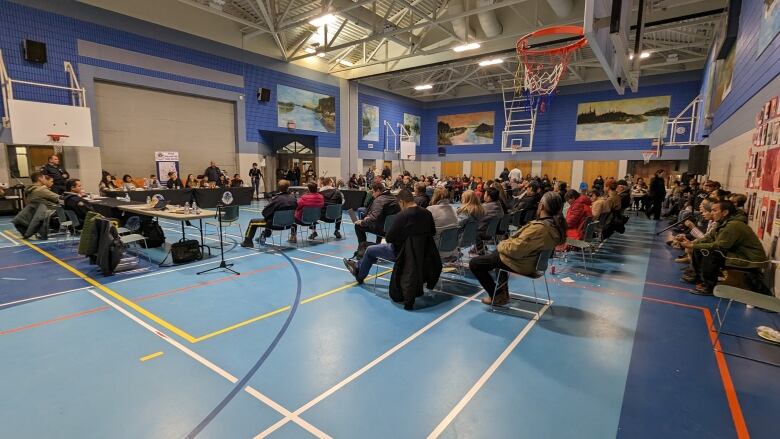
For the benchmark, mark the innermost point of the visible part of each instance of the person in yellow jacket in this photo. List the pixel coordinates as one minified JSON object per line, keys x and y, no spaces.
{"x":520,"y":252}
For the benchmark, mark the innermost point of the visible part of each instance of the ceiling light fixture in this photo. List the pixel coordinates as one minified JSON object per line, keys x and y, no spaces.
{"x":344,"y":62}
{"x":465,"y":47}
{"x":310,"y":50}
{"x":423,"y":87}
{"x":321,"y":21}
{"x":644,"y":55}
{"x":491,"y":62}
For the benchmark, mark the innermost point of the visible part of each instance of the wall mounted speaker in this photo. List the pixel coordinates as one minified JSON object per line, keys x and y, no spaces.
{"x":263,"y":94}
{"x":34,"y":51}
{"x":698,"y":159}
{"x":442,"y":151}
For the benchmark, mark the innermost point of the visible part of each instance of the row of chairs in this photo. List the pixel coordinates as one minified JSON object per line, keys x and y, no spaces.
{"x":284,"y":219}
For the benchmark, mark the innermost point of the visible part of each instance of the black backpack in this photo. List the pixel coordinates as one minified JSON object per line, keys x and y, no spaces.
{"x":153,"y":233}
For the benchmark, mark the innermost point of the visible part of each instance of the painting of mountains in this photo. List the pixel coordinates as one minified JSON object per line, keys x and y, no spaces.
{"x":466,"y":128}
{"x":412,"y":125}
{"x":370,"y":122}
{"x":639,"y":118}
{"x":309,"y":110}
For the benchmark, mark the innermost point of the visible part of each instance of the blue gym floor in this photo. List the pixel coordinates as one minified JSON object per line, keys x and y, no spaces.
{"x":624,"y":352}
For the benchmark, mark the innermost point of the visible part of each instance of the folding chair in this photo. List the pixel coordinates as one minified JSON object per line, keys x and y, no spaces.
{"x":468,"y":238}
{"x":447,"y":244}
{"x":333,"y":214}
{"x":136,"y":238}
{"x":586,"y":243}
{"x":309,"y":216}
{"x":490,"y":233}
{"x":503,"y":227}
{"x":65,"y":226}
{"x":389,"y":219}
{"x":230,"y":216}
{"x":75,"y":223}
{"x":282,"y":220}
{"x":541,"y":271}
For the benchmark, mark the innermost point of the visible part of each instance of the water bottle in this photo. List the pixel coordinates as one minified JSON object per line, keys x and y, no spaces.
{"x":148,"y":199}
{"x":195,"y":208}
{"x":187,"y":207}
{"x":146,"y":183}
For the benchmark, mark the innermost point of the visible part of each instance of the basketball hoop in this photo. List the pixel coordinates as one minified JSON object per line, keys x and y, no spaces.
{"x":57,"y":140}
{"x":540,"y":70}
{"x":647,"y":155}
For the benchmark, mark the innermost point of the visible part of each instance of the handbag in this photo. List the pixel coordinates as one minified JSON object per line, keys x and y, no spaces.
{"x":186,"y":251}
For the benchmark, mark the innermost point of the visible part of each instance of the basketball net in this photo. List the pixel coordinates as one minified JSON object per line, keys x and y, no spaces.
{"x":647,"y":155}
{"x":57,"y":141}
{"x":540,"y":70}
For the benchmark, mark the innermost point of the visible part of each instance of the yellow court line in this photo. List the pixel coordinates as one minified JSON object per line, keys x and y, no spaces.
{"x":141,"y":310}
{"x":180,"y":332}
{"x":150,"y":356}
{"x":283,"y":309}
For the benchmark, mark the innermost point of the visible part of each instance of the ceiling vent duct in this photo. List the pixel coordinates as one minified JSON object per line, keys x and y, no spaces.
{"x":562,"y":8}
{"x":488,"y":21}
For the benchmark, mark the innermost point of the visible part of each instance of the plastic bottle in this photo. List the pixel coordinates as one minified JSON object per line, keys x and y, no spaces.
{"x":195,"y":208}
{"x":187,"y":207}
{"x":148,"y":199}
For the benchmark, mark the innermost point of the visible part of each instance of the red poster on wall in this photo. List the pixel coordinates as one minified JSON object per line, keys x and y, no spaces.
{"x":762,"y":216}
{"x":770,"y":222}
{"x":770,"y":164}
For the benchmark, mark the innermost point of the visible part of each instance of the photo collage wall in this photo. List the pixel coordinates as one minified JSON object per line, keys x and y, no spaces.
{"x":763,"y":174}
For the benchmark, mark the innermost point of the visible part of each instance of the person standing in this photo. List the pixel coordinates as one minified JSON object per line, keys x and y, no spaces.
{"x":370,"y":176}
{"x":255,"y":176}
{"x":656,"y":193}
{"x":53,"y":170}
{"x":212,"y":173}
{"x":504,"y":175}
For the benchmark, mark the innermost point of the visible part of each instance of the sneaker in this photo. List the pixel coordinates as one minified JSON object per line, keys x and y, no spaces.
{"x":500,"y":299}
{"x":292,"y":239}
{"x":689,"y":279}
{"x":337,"y":234}
{"x":313,"y":235}
{"x":683,"y":260}
{"x":247,"y":243}
{"x":700,"y":290}
{"x":353,"y":269}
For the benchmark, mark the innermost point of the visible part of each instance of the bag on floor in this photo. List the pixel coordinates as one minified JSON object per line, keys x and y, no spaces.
{"x":153,"y":233}
{"x":186,"y":251}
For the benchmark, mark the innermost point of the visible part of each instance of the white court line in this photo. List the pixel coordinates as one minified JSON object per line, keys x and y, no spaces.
{"x":355,"y":375}
{"x":9,"y":238}
{"x":29,"y":299}
{"x":213,"y":367}
{"x":484,"y":378}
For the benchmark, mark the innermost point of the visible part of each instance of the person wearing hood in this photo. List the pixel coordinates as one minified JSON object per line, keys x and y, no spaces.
{"x":578,"y":213}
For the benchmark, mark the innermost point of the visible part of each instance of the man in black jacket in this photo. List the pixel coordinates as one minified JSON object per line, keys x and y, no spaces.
{"x":53,"y":170}
{"x":656,"y":193}
{"x":412,"y":220}
{"x":284,"y":200}
{"x":72,"y":199}
{"x":384,"y":204}
{"x":174,"y":182}
{"x":212,"y":173}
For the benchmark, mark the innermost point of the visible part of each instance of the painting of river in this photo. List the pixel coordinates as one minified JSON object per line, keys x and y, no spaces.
{"x":370,"y":122}
{"x":308,"y":110}
{"x":412,"y":125}
{"x":466,"y":128}
{"x":639,"y":118}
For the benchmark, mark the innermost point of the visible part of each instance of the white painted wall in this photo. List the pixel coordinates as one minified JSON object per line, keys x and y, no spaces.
{"x":727,"y":162}
{"x":622,"y":169}
{"x":329,"y":167}
{"x":467,"y":167}
{"x":430,"y":167}
{"x":536,"y":168}
{"x":499,"y":168}
{"x":577,"y":170}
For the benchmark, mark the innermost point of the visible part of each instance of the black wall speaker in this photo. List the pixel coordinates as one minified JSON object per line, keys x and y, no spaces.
{"x":263,"y":94}
{"x":442,"y":151}
{"x":34,"y":51}
{"x":698,"y":159}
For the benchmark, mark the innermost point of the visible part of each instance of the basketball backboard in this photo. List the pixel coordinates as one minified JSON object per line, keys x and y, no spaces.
{"x":606,"y":27}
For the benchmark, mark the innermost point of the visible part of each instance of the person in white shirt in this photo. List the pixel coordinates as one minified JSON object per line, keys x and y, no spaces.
{"x":515,"y":174}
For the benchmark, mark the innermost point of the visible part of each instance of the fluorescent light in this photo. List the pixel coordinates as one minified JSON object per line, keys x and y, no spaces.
{"x":321,"y":21}
{"x":423,"y":87}
{"x":310,"y":50}
{"x":321,"y":54}
{"x":344,"y":62}
{"x":465,"y":47}
{"x":644,"y":55}
{"x":491,"y":62}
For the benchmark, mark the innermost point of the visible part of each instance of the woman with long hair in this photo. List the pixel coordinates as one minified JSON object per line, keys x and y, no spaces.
{"x":107,"y":184}
{"x":470,"y":208}
{"x":519,"y":253}
{"x":191,"y":182}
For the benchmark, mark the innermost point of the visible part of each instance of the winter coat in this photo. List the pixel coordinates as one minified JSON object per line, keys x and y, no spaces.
{"x":41,"y":194}
{"x":33,"y":219}
{"x":89,"y":238}
{"x":309,"y":200}
{"x":110,"y":247}
{"x":382,"y":206}
{"x":493,"y":209}
{"x":56,"y":173}
{"x":522,"y":249}
{"x":737,"y":241}
{"x":657,"y":188}
{"x":579,"y":212}
{"x":280,"y":201}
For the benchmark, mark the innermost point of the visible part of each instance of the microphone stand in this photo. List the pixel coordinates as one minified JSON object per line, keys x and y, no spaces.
{"x":222,"y":264}
{"x":686,"y":218}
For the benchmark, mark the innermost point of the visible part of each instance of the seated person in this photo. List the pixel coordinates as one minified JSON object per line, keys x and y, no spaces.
{"x":332,"y":196}
{"x":624,"y":194}
{"x":444,"y":214}
{"x":529,"y":198}
{"x":470,"y":209}
{"x":420,"y":196}
{"x":153,"y":183}
{"x":41,"y":203}
{"x":107,"y":184}
{"x":493,"y":210}
{"x":519,"y":253}
{"x":236,"y":181}
{"x":174,"y":182}
{"x":222,"y":181}
{"x":732,"y":243}
{"x":127,"y":183}
{"x":310,"y":199}
{"x":383,"y":204}
{"x":192,"y":182}
{"x":412,"y":220}
{"x":598,"y":204}
{"x":284,"y":200}
{"x":72,"y":199}
{"x":578,"y":213}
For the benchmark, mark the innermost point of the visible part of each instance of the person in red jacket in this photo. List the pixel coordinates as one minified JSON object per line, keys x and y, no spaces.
{"x":311,"y":199}
{"x":579,"y":211}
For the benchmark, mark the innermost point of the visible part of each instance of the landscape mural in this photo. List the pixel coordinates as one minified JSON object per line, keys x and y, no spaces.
{"x":639,"y":118}
{"x":412,"y":125}
{"x":466,"y":128}
{"x":370,"y":122}
{"x":309,"y":110}
{"x":770,"y":24}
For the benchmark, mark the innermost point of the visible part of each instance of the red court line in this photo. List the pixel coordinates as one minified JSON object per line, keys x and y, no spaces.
{"x":735,"y":409}
{"x":148,"y":297}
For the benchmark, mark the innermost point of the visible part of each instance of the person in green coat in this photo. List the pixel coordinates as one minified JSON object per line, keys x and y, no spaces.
{"x":732,"y":244}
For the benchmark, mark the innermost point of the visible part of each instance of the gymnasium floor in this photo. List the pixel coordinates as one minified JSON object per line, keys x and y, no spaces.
{"x":625,"y":352}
